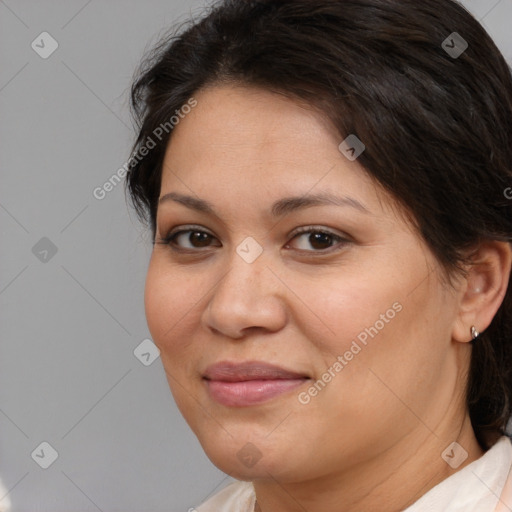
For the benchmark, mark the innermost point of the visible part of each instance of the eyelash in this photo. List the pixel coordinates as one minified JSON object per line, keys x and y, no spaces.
{"x":171,"y":237}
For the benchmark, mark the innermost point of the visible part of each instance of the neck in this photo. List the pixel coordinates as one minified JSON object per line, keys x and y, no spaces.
{"x":392,"y":481}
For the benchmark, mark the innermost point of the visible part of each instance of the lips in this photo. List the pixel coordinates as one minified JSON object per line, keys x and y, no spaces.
{"x":250,"y":382}
{"x":249,"y":370}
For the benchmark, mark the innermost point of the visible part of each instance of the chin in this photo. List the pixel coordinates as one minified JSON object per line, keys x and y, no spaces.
{"x":248,"y":462}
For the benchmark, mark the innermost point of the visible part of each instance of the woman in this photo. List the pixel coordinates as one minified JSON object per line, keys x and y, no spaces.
{"x":325,"y":183}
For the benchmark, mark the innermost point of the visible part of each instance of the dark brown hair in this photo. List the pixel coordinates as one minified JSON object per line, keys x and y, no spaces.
{"x":437,"y":126}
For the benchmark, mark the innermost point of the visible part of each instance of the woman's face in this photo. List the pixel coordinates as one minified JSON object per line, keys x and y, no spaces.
{"x":341,"y":294}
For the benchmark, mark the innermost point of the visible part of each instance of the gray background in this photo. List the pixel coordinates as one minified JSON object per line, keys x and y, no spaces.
{"x":70,"y":323}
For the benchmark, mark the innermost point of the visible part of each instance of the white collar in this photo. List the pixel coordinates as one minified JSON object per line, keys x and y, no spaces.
{"x":475,"y":488}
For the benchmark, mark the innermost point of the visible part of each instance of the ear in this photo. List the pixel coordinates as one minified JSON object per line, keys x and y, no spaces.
{"x":483,"y":289}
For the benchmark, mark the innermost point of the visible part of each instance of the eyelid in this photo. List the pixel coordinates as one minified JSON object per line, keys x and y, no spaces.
{"x":317,"y":229}
{"x":184,"y":227}
{"x":189,"y":227}
{"x":302,"y":229}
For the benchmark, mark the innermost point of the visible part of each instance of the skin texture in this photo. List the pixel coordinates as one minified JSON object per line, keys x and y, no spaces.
{"x":372,"y":438}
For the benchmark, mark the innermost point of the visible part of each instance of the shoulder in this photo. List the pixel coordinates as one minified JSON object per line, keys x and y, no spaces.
{"x":236,"y":497}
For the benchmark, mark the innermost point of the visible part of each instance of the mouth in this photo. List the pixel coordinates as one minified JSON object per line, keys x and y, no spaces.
{"x":249,"y":383}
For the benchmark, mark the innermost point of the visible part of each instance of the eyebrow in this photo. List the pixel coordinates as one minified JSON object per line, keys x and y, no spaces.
{"x":279,"y":208}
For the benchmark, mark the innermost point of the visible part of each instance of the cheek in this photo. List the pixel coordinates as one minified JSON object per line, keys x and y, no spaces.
{"x":374,"y":323}
{"x":170,"y":304}
{"x":342,"y":308}
{"x":171,"y":310}
{"x":157,"y":302}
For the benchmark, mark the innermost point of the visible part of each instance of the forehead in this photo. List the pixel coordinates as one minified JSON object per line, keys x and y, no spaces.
{"x":251,"y":120}
{"x":247,"y":139}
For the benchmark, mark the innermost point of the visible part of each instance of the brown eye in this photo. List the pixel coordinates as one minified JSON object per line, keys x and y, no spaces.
{"x":320,"y":240}
{"x":199,"y":238}
{"x":192,"y":239}
{"x":188,"y":239}
{"x":315,"y":240}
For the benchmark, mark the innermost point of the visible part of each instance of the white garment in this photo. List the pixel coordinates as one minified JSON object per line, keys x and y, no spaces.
{"x":475,"y":488}
{"x":5,"y":501}
{"x":236,"y":497}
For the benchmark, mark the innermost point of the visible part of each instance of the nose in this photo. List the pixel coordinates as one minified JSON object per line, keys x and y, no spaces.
{"x":248,"y":297}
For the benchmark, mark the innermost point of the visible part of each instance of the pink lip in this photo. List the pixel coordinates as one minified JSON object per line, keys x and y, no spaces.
{"x":249,"y":383}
